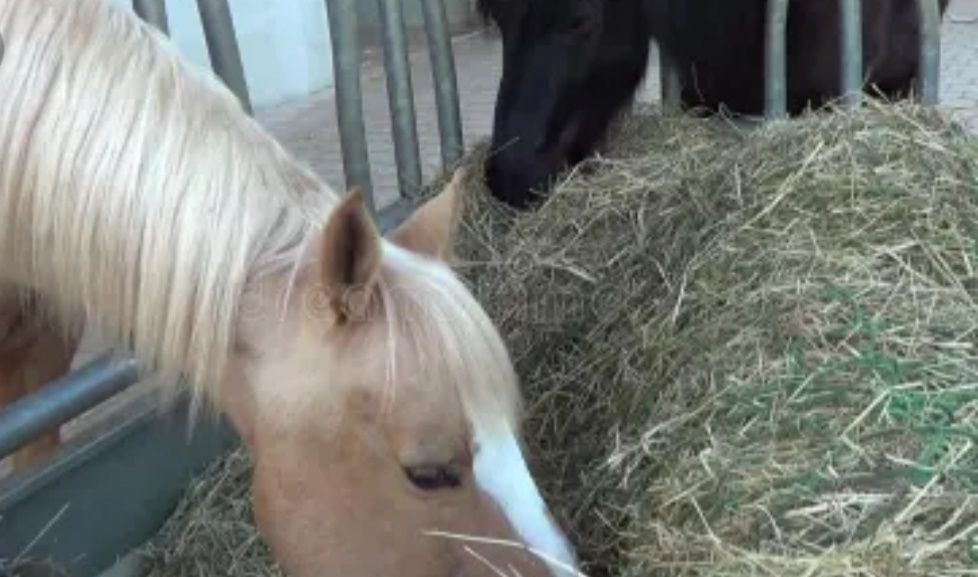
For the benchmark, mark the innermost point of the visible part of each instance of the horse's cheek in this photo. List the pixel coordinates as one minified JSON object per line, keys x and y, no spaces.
{"x":286,"y":528}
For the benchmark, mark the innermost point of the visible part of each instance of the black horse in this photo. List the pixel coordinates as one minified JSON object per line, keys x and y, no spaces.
{"x":569,"y":66}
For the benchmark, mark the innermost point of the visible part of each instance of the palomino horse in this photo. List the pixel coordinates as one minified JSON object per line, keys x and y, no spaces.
{"x":377,"y":398}
{"x":570,"y":65}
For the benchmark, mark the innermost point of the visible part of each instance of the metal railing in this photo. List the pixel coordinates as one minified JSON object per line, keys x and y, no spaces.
{"x":103,"y":378}
{"x":349,"y":99}
{"x":851,"y":81}
{"x":222,"y":45}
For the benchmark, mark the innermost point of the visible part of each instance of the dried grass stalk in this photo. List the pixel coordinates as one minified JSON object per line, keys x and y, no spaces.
{"x":745,"y":353}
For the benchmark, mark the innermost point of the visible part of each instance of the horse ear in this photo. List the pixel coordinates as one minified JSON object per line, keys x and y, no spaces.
{"x":430,"y":231}
{"x":351,"y":257}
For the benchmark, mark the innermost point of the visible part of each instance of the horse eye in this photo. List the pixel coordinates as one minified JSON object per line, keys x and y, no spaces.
{"x":433,"y":477}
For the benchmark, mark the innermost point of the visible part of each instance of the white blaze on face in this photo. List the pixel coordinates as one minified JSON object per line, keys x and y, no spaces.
{"x":501,"y":472}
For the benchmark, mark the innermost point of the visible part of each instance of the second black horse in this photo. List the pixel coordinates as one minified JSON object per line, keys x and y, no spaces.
{"x":569,"y":66}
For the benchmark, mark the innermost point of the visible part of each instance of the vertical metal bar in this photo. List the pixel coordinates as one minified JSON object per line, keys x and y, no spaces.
{"x":928,"y":75}
{"x":223,"y":47}
{"x":445,"y":81}
{"x":153,"y":12}
{"x":850,"y":12}
{"x":669,"y":83}
{"x":344,"y":37}
{"x":400,"y":94}
{"x":775,"y":68}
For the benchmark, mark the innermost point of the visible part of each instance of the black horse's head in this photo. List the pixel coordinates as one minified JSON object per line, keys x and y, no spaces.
{"x":568,"y":67}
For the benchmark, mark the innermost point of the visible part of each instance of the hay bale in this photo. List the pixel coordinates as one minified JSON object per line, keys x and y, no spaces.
{"x":212,"y":532}
{"x":748,"y":353}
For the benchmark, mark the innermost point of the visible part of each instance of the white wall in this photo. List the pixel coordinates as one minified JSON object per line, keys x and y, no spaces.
{"x":285,"y":44}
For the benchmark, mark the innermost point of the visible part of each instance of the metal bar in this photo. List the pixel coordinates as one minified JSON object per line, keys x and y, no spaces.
{"x":343,"y":28}
{"x":153,"y":12}
{"x":222,"y":46}
{"x":400,"y":95}
{"x":775,"y":68}
{"x":63,"y":399}
{"x":928,"y":76}
{"x":445,"y":81}
{"x":106,"y":492}
{"x":669,"y":83}
{"x":850,"y":12}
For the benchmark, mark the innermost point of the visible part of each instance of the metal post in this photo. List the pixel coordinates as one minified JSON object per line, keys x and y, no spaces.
{"x":850,"y":12}
{"x":223,"y":47}
{"x":928,"y":75}
{"x":153,"y":12}
{"x":669,"y":82}
{"x":400,"y":94}
{"x":775,"y":68}
{"x":445,"y":81}
{"x":343,"y":28}
{"x":61,"y":400}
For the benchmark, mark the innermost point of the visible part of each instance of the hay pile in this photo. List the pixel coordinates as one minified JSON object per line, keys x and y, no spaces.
{"x":744,"y":353}
{"x":212,"y":532}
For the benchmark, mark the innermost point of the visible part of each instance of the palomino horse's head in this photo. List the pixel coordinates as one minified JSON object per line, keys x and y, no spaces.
{"x":568,"y":67}
{"x":382,"y":414}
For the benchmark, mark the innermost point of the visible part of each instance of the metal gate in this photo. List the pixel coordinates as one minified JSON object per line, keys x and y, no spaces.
{"x":775,"y":66}
{"x":83,"y":510}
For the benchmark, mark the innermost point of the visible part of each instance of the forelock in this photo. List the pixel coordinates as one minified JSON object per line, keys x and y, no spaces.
{"x":431,"y":313}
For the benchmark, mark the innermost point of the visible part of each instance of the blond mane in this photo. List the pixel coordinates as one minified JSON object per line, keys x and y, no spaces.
{"x":427,"y":303}
{"x":136,"y":194}
{"x":134,"y":191}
